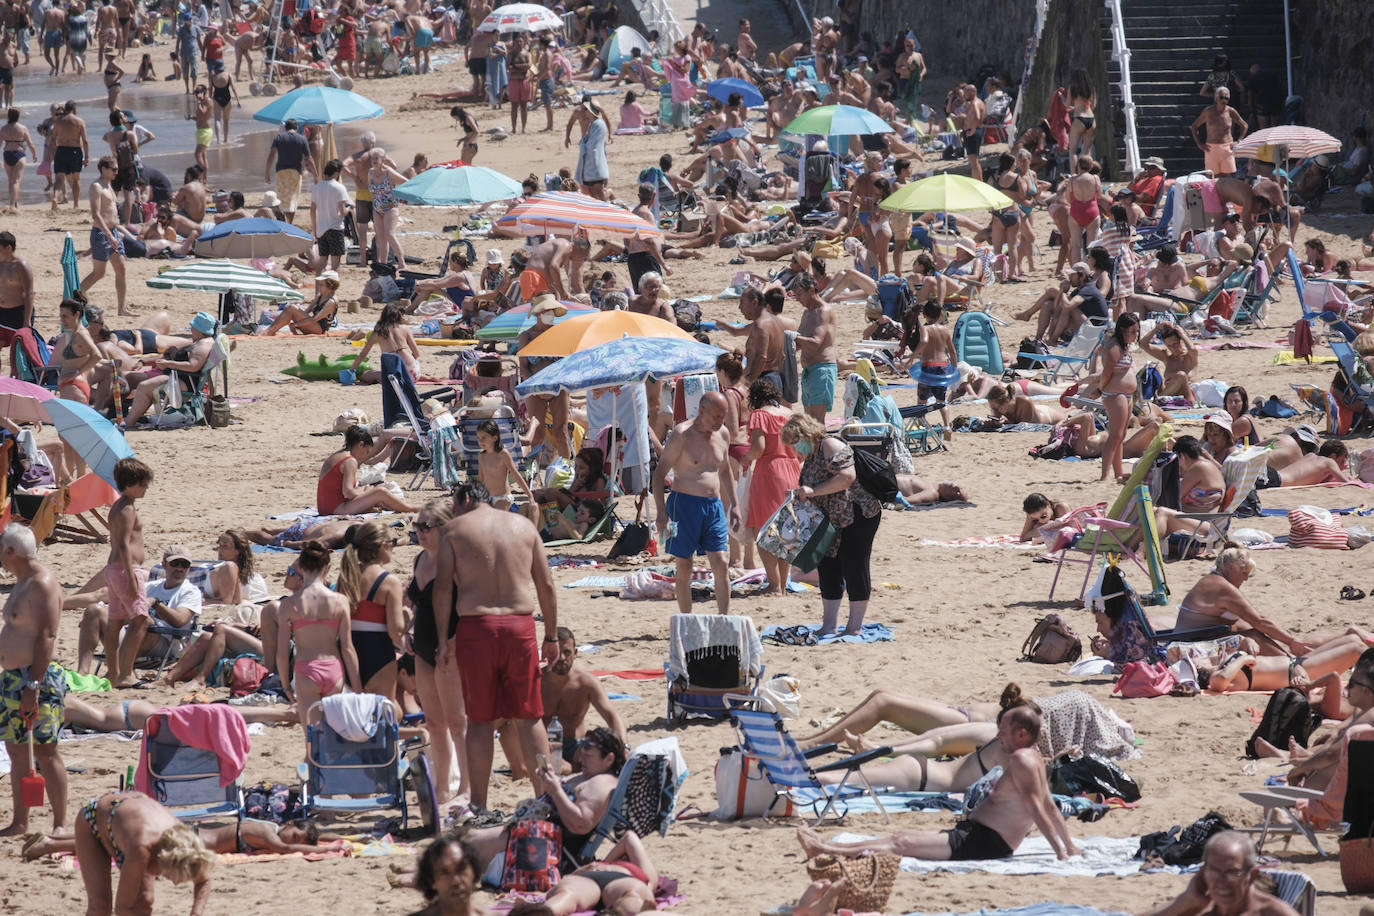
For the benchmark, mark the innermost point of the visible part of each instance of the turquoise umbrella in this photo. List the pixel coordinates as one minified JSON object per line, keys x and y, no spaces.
{"x":90,"y":435}
{"x":511,"y":323}
{"x":454,"y":186}
{"x":71,"y":281}
{"x":319,"y":105}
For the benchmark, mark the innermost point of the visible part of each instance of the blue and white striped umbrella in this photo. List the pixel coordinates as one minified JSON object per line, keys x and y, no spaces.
{"x":622,"y":362}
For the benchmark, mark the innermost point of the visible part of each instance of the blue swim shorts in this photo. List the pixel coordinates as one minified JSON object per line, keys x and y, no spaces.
{"x":818,"y":385}
{"x":700,"y":525}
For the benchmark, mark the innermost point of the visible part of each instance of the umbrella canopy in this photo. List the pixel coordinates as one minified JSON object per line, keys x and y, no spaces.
{"x":521,"y":17}
{"x":621,"y":362}
{"x":10,"y":385}
{"x":319,"y":105}
{"x":619,"y":47}
{"x":71,"y":280}
{"x":22,"y":408}
{"x":730,"y":133}
{"x":511,"y":323}
{"x":254,"y":237}
{"x":444,"y":186}
{"x":225,"y":277}
{"x":1302,"y":142}
{"x":749,"y":93}
{"x":563,"y":212}
{"x":838,"y":121}
{"x":598,"y":328}
{"x":946,"y":193}
{"x":90,"y":435}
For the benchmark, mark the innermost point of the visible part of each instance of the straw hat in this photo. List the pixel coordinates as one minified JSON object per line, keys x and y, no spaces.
{"x":547,"y":302}
{"x":1153,"y":162}
{"x":1243,"y":252}
{"x":966,"y":247}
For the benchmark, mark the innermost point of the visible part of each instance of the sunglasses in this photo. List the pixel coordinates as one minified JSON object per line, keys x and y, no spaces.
{"x":292,"y":571}
{"x":422,"y":526}
{"x":1354,"y":683}
{"x":179,"y":564}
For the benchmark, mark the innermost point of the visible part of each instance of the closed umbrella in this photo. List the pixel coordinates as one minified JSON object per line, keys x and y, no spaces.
{"x":90,"y":435}
{"x":946,"y":193}
{"x":225,"y":277}
{"x":1301,"y":142}
{"x":586,"y":331}
{"x":254,"y":237}
{"x":521,"y":17}
{"x":511,"y":323}
{"x":621,"y":362}
{"x":319,"y":105}
{"x":444,"y":186}
{"x":564,"y":212}
{"x":71,"y":280}
{"x":721,"y":90}
{"x":838,"y":121}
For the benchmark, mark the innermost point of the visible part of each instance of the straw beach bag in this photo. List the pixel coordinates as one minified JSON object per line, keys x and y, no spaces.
{"x":868,"y":879}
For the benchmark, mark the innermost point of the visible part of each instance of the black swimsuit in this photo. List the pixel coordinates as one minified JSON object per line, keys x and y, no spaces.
{"x":424,"y":637}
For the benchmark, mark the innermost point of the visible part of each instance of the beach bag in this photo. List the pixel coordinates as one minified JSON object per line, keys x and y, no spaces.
{"x":1091,"y":774}
{"x":868,"y":879}
{"x":743,"y":788}
{"x":1052,"y":642}
{"x":246,"y":676}
{"x":687,"y":314}
{"x":876,"y":475}
{"x":532,"y":854}
{"x":1031,"y":345}
{"x":633,"y":540}
{"x":1144,"y":679}
{"x":1310,"y":526}
{"x":799,"y":533}
{"x":782,"y":696}
{"x":1288,"y":715}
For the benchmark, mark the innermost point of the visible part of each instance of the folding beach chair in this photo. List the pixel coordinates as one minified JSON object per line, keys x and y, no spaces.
{"x":506,"y":421}
{"x":602,"y":527}
{"x":29,"y":360}
{"x":465,"y":247}
{"x":1073,"y":360}
{"x":645,"y":798}
{"x":1160,"y":637}
{"x":1239,"y":471}
{"x":82,"y":499}
{"x":710,"y":656}
{"x":187,"y":779}
{"x":1131,"y":535}
{"x":1353,"y":368}
{"x":764,"y":736}
{"x":350,"y":776}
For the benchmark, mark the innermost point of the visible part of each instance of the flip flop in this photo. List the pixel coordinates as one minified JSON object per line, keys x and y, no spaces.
{"x":30,"y":840}
{"x":1351,"y":593}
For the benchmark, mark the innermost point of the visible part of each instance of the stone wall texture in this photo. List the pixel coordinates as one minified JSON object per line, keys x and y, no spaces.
{"x":1334,"y":66}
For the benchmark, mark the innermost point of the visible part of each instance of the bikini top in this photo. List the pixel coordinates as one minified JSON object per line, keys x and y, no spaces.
{"x":310,"y":621}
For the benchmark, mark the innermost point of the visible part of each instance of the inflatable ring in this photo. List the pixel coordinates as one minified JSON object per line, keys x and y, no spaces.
{"x":1068,"y":393}
{"x":938,"y":377}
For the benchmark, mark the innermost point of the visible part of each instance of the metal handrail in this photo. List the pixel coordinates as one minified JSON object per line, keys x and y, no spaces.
{"x":658,"y":16}
{"x":1122,"y":55}
{"x":1288,"y":47}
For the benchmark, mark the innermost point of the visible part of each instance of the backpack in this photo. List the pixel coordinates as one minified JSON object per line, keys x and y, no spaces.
{"x":246,"y":676}
{"x":532,"y":854}
{"x":1185,"y":847}
{"x":1288,"y":715}
{"x":1030,"y":345}
{"x":1052,"y":642}
{"x":632,"y":541}
{"x":687,"y":313}
{"x":876,"y":475}
{"x":1091,"y":774}
{"x":124,"y":152}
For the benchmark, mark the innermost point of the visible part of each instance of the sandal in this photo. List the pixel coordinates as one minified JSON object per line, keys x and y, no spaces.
{"x":1351,"y":593}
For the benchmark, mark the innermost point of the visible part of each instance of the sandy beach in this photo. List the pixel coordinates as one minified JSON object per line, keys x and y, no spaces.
{"x":959,"y":614}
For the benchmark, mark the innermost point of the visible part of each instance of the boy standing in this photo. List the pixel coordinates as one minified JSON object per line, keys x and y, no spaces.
{"x":125,"y":578}
{"x":937,"y":355}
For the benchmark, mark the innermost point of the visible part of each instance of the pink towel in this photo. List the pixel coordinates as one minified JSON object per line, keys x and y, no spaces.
{"x":212,"y":727}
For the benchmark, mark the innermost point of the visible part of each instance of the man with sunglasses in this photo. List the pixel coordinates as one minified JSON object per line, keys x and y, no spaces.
{"x":173,"y":602}
{"x":1225,"y":885}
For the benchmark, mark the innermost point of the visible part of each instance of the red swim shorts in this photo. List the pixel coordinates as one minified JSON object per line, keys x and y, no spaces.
{"x":520,"y":90}
{"x":532,"y":283}
{"x":498,"y":663}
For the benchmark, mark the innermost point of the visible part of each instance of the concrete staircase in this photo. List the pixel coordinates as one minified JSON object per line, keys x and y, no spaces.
{"x":1173,"y":43}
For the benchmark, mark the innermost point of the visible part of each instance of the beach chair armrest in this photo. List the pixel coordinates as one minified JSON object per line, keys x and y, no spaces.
{"x":820,"y":749}
{"x":1203,"y":634}
{"x":856,"y":760}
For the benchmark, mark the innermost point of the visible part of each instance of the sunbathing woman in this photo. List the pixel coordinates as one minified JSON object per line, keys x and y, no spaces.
{"x":337,"y":491}
{"x":975,"y":383}
{"x":1087,"y":442}
{"x":332,"y":533}
{"x":390,"y":335}
{"x":622,"y":883}
{"x":322,"y":314}
{"x":247,"y":836}
{"x":918,"y":492}
{"x":317,"y":619}
{"x":1240,"y":671}
{"x":1009,"y":403}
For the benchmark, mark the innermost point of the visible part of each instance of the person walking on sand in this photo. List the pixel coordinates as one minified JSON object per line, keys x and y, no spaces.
{"x":697,"y":516}
{"x":71,"y":150}
{"x":204,"y":116}
{"x":15,"y":137}
{"x":107,"y":244}
{"x":484,"y":558}
{"x":32,"y":686}
{"x":126,"y":581}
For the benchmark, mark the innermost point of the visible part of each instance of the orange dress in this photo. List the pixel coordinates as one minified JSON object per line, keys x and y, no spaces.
{"x":775,"y":471}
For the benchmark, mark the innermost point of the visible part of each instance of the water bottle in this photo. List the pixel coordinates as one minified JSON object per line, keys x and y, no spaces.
{"x":555,"y":730}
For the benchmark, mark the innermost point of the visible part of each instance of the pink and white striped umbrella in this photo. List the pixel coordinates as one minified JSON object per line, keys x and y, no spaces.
{"x":1301,"y":142}
{"x":566,"y":212}
{"x":521,"y":17}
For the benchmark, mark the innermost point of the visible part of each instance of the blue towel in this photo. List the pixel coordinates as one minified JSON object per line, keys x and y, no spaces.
{"x":870,"y":632}
{"x":1036,"y":909}
{"x":1284,"y":512}
{"x":622,"y":696}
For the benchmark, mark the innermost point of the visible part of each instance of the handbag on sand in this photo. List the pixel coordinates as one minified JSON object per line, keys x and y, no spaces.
{"x":798,"y":532}
{"x":868,"y":879}
{"x":1052,"y":642}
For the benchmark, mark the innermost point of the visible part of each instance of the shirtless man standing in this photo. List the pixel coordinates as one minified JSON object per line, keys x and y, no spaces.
{"x":763,"y":349}
{"x":54,"y":37}
{"x":32,"y":687}
{"x":16,"y":290}
{"x":568,"y":692}
{"x":745,"y":44}
{"x":421,"y":32}
{"x":485,"y":558}
{"x":693,"y":519}
{"x":356,"y":168}
{"x":936,"y":354}
{"x":643,"y":255}
{"x":971,"y":129}
{"x":106,"y":29}
{"x":1019,"y":797}
{"x":106,"y":242}
{"x":544,"y":269}
{"x":71,"y":150}
{"x":816,"y":349}
{"x":1219,"y":121}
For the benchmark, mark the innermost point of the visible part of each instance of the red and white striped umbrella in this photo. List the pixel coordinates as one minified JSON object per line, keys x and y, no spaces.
{"x":1301,"y":142}
{"x":565,"y":212}
{"x":521,"y":17}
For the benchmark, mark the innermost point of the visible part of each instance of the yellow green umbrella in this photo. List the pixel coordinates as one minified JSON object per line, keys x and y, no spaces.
{"x":946,"y":193}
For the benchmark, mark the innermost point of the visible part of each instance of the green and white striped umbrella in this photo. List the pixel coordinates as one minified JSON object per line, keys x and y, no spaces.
{"x":221,"y":276}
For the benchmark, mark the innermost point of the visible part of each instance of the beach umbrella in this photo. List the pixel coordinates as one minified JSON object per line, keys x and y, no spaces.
{"x":10,"y":385}
{"x":946,"y":193}
{"x":90,"y":435}
{"x":563,"y":212}
{"x":319,"y":105}
{"x":721,"y":89}
{"x":838,"y":121}
{"x":1301,"y":143}
{"x":521,"y":17}
{"x":511,"y":323}
{"x":592,"y":330}
{"x":22,"y":408}
{"x":619,"y":47}
{"x":448,"y":186}
{"x":221,"y":276}
{"x":71,"y":280}
{"x":622,"y":362}
{"x":730,"y":133}
{"x":254,"y":237}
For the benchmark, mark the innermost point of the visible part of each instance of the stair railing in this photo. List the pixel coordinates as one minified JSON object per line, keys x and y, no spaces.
{"x":658,"y":16}
{"x":1122,"y":55}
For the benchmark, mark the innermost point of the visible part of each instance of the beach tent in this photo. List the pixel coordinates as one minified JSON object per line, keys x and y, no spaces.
{"x":618,"y":46}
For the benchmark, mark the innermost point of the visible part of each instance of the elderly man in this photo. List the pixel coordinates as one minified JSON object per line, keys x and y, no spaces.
{"x":1219,"y":122}
{"x":1148,"y":184}
{"x":172,"y":600}
{"x":647,"y":301}
{"x":1225,"y":885}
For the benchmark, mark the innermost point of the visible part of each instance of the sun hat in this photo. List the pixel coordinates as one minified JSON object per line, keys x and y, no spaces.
{"x":547,"y":302}
{"x":270,"y":199}
{"x":1243,"y":252}
{"x":494,"y":256}
{"x":965,"y":246}
{"x":203,"y":322}
{"x":1306,"y":433}
{"x":1218,"y":419}
{"x":331,"y":275}
{"x":176,"y":552}
{"x":1153,"y":162}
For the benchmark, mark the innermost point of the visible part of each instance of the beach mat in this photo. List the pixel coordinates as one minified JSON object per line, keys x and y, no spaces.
{"x":870,"y":632}
{"x":1101,"y":856}
{"x":1036,"y":909}
{"x":633,"y":674}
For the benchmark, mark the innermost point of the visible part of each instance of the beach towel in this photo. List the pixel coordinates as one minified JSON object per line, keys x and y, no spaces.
{"x":85,"y":683}
{"x":719,"y":632}
{"x":1102,"y":855}
{"x":211,"y":727}
{"x":893,"y":802}
{"x":665,"y":896}
{"x":1000,"y":541}
{"x":1074,"y":719}
{"x":1036,"y":909}
{"x":633,"y":674}
{"x":355,"y":716}
{"x":869,"y":632}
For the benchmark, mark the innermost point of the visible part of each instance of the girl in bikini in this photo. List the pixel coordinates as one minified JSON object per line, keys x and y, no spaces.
{"x":1243,"y":429}
{"x":1083,"y":127}
{"x":390,"y":334}
{"x":76,"y":352}
{"x":322,"y":313}
{"x":1322,"y":667}
{"x":317,"y":619}
{"x":1118,"y":387}
{"x":1013,"y":405}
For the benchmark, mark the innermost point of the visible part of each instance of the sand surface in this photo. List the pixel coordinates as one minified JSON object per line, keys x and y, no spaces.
{"x":959,"y":615}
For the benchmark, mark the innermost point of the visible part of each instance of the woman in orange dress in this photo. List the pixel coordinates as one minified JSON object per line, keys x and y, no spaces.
{"x":775,"y":472}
